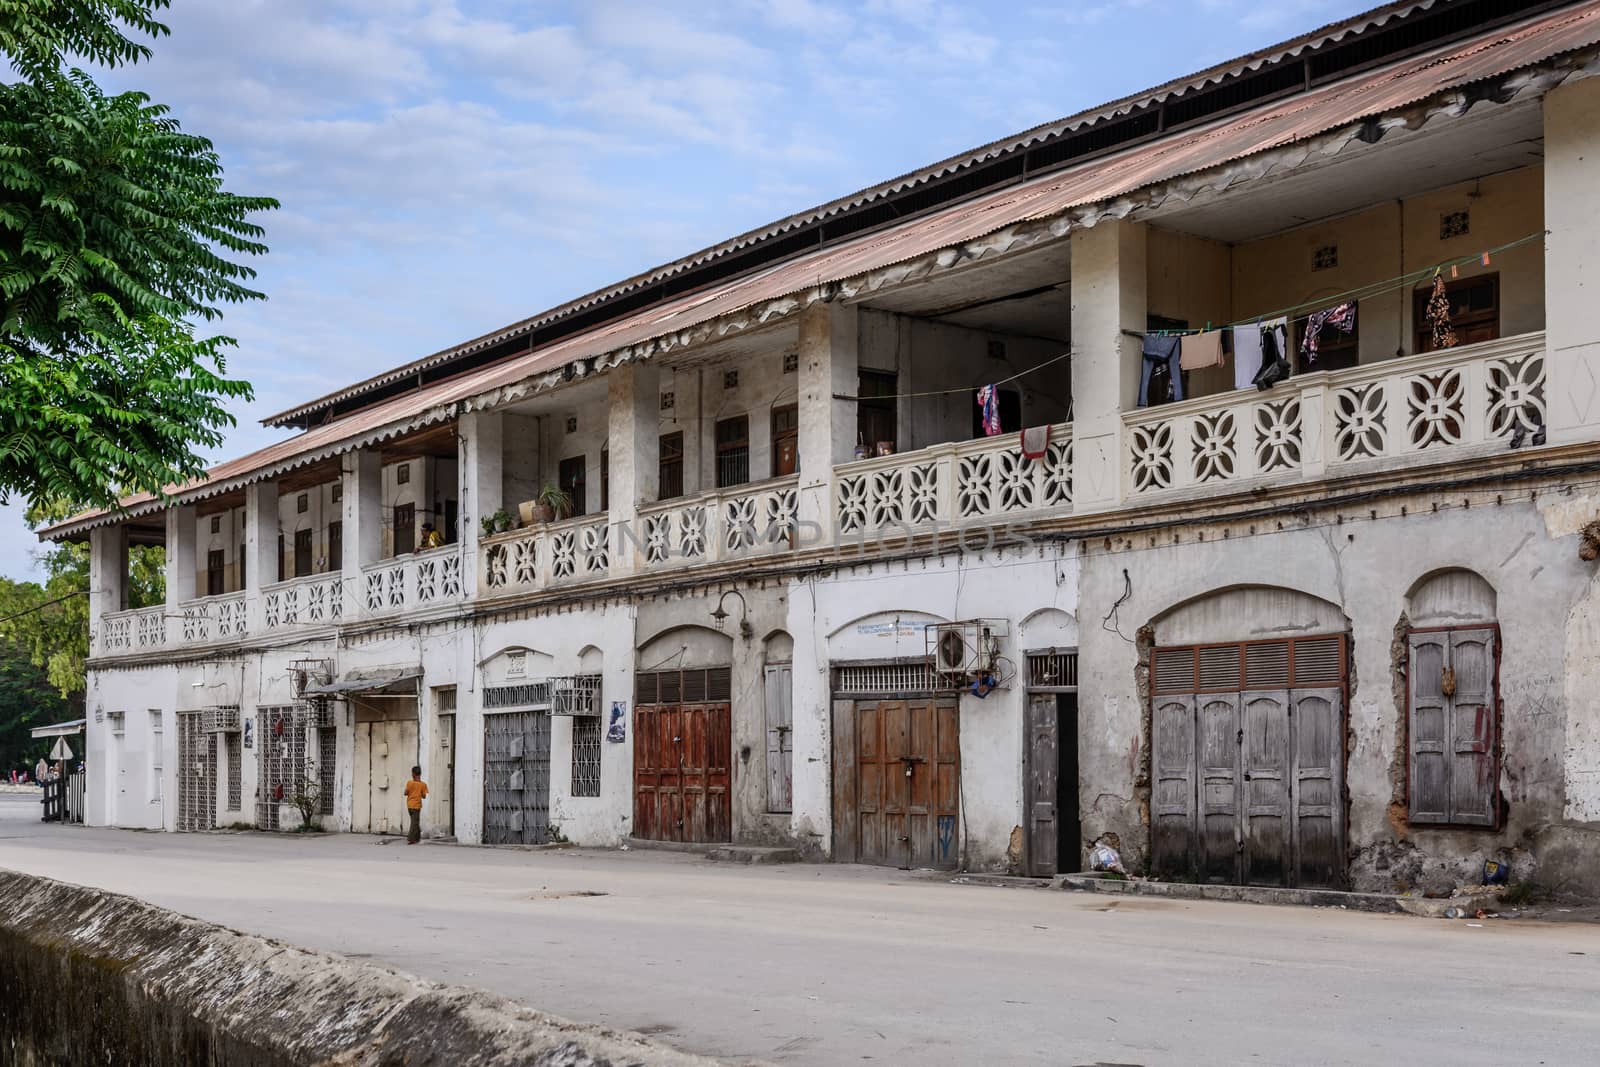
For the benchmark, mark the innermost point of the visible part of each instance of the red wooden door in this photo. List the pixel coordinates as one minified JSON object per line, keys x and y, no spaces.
{"x":683,"y":770}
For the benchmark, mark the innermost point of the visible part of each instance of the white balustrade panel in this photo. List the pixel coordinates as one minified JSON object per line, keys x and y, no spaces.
{"x":411,"y":582}
{"x":730,"y":523}
{"x":315,"y":600}
{"x":1425,"y":406}
{"x":212,"y":618}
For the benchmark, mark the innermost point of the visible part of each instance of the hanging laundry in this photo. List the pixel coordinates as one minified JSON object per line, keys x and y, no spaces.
{"x":1246,"y":355}
{"x":1161,"y":379}
{"x":1341,"y":317}
{"x":1201,"y":350}
{"x":1035,"y":441}
{"x":1275,"y":365}
{"x":989,"y":401}
{"x":1438,"y":316}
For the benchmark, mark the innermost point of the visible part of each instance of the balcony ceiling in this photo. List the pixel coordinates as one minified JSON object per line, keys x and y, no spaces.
{"x":1490,"y":139}
{"x":1025,"y":294}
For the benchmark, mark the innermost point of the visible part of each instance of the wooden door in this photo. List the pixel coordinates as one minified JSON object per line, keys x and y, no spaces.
{"x":335,"y":546}
{"x":1217,"y":809}
{"x":1264,"y":803}
{"x":405,"y":529}
{"x":785,"y":440}
{"x":1318,"y":787}
{"x":903,"y":783}
{"x":1043,"y":769}
{"x":780,"y":737}
{"x":1172,"y":794}
{"x":682,"y":772}
{"x":216,"y":568}
{"x":303,"y":548}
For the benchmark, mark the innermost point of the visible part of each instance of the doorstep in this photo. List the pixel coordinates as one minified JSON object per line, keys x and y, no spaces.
{"x":722,"y":853}
{"x":1091,"y":882}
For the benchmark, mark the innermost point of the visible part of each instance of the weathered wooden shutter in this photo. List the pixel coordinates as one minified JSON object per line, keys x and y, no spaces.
{"x":1317,"y":731}
{"x":1473,"y":767}
{"x":1429,"y":729}
{"x":1264,"y":759}
{"x":780,"y":738}
{"x":1172,"y":801}
{"x":1217,"y":744}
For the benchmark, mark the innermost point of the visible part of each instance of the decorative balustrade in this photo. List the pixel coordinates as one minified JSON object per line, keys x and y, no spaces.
{"x":213,"y":618}
{"x":1418,"y":408}
{"x":410,"y":582}
{"x":572,"y":550}
{"x":116,"y":632}
{"x":730,"y":523}
{"x":314,"y":600}
{"x":954,"y":483}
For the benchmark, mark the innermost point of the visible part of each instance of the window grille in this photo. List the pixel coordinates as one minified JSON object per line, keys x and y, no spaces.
{"x":444,"y":699}
{"x":576,"y":695}
{"x":713,"y":685}
{"x":1295,"y":663}
{"x":531,"y":694}
{"x":586,"y":734}
{"x":1051,"y":669}
{"x":914,"y":676}
{"x":327,"y":755}
{"x":235,"y":772}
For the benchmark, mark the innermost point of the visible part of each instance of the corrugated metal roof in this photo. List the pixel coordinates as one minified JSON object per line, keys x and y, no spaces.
{"x":1275,"y":126}
{"x":1329,"y":34}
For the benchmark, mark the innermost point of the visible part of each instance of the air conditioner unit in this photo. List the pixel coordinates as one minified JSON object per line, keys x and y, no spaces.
{"x":961,"y":651}
{"x":304,"y":672}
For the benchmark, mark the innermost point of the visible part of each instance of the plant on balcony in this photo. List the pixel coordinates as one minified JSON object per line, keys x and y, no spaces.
{"x":497,"y":523}
{"x":552,"y":503}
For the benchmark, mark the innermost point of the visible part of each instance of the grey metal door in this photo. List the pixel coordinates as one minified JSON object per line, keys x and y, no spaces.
{"x":516,"y":778}
{"x":1044,"y":766}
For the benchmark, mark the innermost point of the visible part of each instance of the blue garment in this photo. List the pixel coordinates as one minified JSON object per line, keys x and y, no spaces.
{"x":1160,"y":360}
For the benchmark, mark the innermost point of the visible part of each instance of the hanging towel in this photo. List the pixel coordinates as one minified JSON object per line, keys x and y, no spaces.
{"x":1341,"y":317}
{"x":1035,"y":442}
{"x":1201,"y":350}
{"x":1246,"y":355}
{"x":1438,"y":316}
{"x":989,"y":401}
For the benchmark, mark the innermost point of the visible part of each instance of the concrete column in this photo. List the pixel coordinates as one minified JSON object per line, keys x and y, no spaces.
{"x":633,"y":393}
{"x":829,"y":338}
{"x":181,"y":566}
{"x":362,"y":477}
{"x":261,"y":549}
{"x":480,"y":435}
{"x":1572,"y":259}
{"x":1108,"y":296}
{"x":108,"y":574}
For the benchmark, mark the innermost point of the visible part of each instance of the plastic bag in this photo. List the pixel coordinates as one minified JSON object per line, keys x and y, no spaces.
{"x":1102,"y":857}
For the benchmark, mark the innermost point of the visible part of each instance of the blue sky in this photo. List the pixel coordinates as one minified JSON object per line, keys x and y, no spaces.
{"x":450,"y":166}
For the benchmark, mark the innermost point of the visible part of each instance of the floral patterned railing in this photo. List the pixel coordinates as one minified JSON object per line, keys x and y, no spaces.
{"x":315,"y":600}
{"x":954,"y":483}
{"x":726,"y":524}
{"x":537,"y":556}
{"x":410,"y":582}
{"x":1419,"y":407}
{"x":212,"y":618}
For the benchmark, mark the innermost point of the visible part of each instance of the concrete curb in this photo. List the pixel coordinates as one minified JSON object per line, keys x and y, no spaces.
{"x":88,"y":976}
{"x":1314,"y":898}
{"x":720,"y":853}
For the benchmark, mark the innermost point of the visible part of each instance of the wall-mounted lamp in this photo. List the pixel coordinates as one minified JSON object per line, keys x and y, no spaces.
{"x":721,"y":616}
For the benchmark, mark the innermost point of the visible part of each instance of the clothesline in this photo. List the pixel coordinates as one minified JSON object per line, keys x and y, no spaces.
{"x":1361,"y":292}
{"x":1399,"y":281}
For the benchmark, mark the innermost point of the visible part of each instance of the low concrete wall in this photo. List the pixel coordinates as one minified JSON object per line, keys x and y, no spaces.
{"x":93,"y":977}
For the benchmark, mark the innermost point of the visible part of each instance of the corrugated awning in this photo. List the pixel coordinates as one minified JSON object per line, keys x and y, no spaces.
{"x":1361,"y":106}
{"x":399,"y":681}
{"x":60,"y":729}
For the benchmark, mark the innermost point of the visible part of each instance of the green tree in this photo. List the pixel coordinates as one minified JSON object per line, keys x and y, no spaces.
{"x":115,"y":238}
{"x":27,"y":700}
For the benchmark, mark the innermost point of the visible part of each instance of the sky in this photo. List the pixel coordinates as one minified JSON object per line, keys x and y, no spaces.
{"x":447,"y":167}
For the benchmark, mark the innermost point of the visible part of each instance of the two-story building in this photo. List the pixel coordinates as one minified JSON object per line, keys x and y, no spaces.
{"x":1214,"y":469}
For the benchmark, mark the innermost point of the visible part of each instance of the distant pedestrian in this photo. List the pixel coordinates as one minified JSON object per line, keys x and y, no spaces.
{"x":416,"y":790}
{"x":41,"y":770}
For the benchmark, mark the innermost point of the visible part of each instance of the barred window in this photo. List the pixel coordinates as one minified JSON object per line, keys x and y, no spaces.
{"x":327,"y":753}
{"x":586,"y":732}
{"x":235,"y":772}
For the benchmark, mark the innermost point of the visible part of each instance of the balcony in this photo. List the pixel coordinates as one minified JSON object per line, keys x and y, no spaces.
{"x":412,"y":582}
{"x":314,"y":600}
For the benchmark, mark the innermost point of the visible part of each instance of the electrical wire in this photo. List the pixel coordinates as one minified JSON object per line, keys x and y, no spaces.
{"x":46,"y":604}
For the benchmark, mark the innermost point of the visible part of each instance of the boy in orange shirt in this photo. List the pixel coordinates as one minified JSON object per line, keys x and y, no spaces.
{"x":416,"y":789}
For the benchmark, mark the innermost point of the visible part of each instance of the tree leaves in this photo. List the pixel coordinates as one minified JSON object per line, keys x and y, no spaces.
{"x":116,"y":240}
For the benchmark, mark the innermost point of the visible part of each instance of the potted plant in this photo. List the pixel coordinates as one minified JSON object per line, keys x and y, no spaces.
{"x":551,"y":504}
{"x":497,"y":523}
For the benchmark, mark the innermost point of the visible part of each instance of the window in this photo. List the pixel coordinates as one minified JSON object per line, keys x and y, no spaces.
{"x":216,"y":568}
{"x":1474,"y":310}
{"x":1336,"y":350}
{"x":327,"y":756}
{"x":1453,"y":681}
{"x":574,"y":481}
{"x":230,"y":742}
{"x":605,"y":479}
{"x":586,"y":732}
{"x":402,"y":474}
{"x":302,"y":553}
{"x":157,"y":743}
{"x":338,"y":492}
{"x":335,"y":546}
{"x":785,"y":440}
{"x":216,"y":524}
{"x":1454,"y":224}
{"x":875,"y":408}
{"x":1325,"y":257}
{"x":668,"y":400}
{"x":302,"y":503}
{"x":733,"y":451}
{"x":241,"y":565}
{"x":405,"y":529}
{"x":730,"y":379}
{"x":791,"y":362}
{"x":572,"y":424}
{"x":281,"y":546}
{"x":671,"y":470}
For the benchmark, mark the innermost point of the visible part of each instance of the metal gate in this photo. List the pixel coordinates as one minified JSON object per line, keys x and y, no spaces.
{"x":281,"y":762}
{"x":516,"y":777}
{"x":1248,"y":762}
{"x":683,"y":755}
{"x":197,"y":774}
{"x":897,"y":781}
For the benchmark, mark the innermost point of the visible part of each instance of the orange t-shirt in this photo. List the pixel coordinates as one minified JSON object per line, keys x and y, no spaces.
{"x":416,"y":789}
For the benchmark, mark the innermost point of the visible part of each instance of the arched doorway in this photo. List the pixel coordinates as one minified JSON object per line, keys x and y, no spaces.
{"x":683,"y":737}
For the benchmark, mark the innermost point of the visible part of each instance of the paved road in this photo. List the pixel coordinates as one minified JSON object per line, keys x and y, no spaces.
{"x":825,"y":964}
